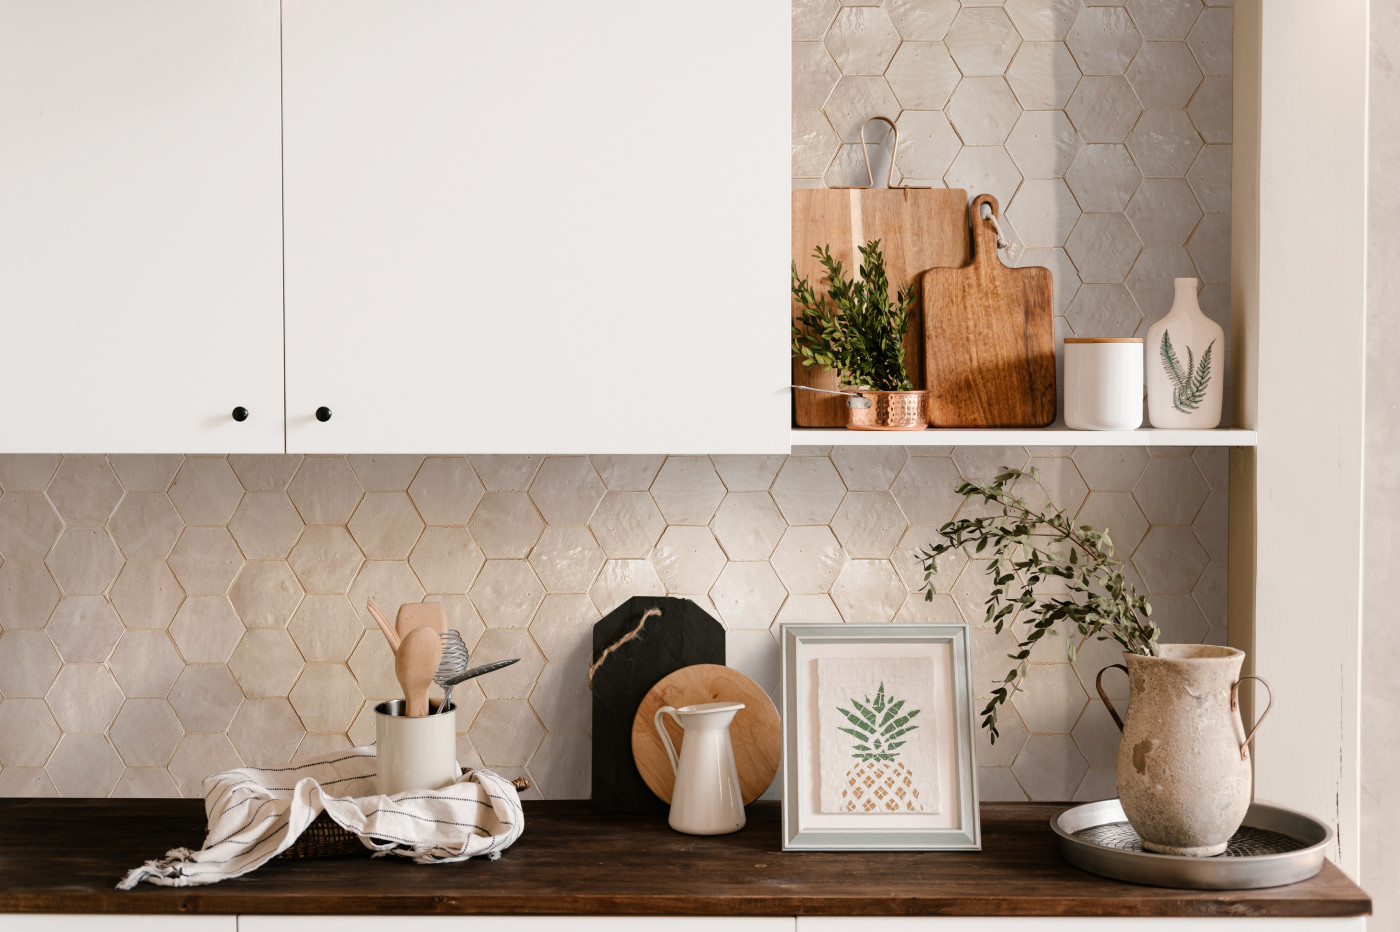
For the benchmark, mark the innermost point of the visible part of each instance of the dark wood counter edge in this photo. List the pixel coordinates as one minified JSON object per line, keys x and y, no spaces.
{"x":637,"y":867}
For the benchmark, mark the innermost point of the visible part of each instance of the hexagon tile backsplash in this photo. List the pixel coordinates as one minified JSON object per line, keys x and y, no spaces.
{"x":1102,"y":128}
{"x":166,"y":617}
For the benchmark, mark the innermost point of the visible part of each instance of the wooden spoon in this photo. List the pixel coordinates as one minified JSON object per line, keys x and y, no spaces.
{"x":415,"y":663}
{"x":382,"y":620}
{"x":419,"y":615}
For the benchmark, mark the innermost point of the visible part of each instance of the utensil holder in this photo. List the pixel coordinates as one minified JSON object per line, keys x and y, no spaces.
{"x":415,"y":753}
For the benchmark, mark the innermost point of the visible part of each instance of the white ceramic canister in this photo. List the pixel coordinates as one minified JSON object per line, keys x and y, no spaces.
{"x":1185,"y":356}
{"x":415,"y":753}
{"x":1103,"y":383}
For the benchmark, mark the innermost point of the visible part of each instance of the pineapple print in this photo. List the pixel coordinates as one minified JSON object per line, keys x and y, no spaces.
{"x":878,"y":782}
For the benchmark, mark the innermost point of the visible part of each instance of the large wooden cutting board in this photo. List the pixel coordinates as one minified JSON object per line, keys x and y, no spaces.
{"x":918,"y":229}
{"x":989,"y":338}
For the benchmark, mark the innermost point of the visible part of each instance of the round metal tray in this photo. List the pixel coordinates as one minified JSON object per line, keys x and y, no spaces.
{"x":1274,"y":846}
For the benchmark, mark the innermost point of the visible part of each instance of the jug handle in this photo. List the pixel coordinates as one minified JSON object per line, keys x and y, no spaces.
{"x":1235,"y":707}
{"x":665,"y":737}
{"x":1098,"y":684}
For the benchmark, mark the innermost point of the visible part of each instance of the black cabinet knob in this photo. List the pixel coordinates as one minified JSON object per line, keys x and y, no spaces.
{"x":323,"y":414}
{"x":240,"y":414}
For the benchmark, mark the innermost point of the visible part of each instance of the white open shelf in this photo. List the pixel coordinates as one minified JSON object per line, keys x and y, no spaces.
{"x":1028,"y":437}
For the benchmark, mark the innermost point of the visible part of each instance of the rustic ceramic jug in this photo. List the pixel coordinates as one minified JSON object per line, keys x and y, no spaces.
{"x":707,"y":798}
{"x":1184,"y":775}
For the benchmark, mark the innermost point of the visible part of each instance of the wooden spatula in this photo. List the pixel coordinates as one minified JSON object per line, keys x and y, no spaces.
{"x":415,"y":663}
{"x":421,"y":615}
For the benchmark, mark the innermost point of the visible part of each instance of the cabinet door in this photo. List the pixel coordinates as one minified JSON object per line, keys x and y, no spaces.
{"x":537,"y":227}
{"x":140,"y":226}
{"x":518,"y":923}
{"x":133,"y":922}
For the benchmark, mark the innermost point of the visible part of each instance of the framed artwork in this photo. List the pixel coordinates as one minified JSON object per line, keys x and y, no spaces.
{"x":878,"y":750}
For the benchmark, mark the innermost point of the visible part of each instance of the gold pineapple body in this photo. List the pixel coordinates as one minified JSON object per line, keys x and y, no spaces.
{"x":879,"y":782}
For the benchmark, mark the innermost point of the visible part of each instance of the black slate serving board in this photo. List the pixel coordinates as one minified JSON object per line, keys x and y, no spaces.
{"x":682,"y":635}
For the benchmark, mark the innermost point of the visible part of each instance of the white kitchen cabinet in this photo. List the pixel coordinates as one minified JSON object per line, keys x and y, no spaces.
{"x":140,"y":225}
{"x":134,"y":922}
{"x":527,"y":228}
{"x":1073,"y":924}
{"x":518,"y":923}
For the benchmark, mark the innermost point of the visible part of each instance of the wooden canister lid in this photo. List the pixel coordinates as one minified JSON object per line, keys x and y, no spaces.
{"x":1103,"y":339}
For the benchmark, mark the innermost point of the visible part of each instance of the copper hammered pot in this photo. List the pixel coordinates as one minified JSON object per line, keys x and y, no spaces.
{"x":890,"y":411}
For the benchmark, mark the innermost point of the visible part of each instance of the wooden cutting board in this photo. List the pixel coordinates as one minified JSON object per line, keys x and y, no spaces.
{"x":989,"y":338}
{"x":683,"y":635}
{"x":918,"y":229}
{"x":756,"y":732}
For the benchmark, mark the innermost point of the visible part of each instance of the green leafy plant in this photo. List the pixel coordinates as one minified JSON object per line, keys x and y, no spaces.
{"x":1029,"y":548}
{"x":1188,"y":385}
{"x":855,"y":328}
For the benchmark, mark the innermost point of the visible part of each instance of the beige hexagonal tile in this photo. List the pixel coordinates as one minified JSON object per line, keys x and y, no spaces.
{"x":1212,"y":41}
{"x":1096,"y":737}
{"x":748,"y":526}
{"x":567,"y":558}
{"x":625,"y":472}
{"x":1044,"y":212}
{"x":517,"y":680}
{"x":862,"y":40}
{"x":924,"y":490}
{"x":855,"y":99}
{"x":927,"y":144}
{"x":85,"y":490}
{"x":145,"y":664}
{"x":266,"y":525}
{"x":446,"y":559}
{"x":266,"y":663}
{"x":84,"y":697}
{"x":27,"y":594}
{"x":998,"y":785}
{"x":688,"y":559}
{"x":205,"y":560}
{"x":84,"y":628}
{"x":1103,"y":40}
{"x":1209,"y":178}
{"x":1212,"y":525}
{"x":1151,"y":279}
{"x":1101,"y":310}
{"x":619,"y":580}
{"x":1051,"y":698}
{"x":687,"y":490}
{"x":386,"y":525}
{"x":563,"y":766}
{"x":868,"y":591}
{"x":1214,"y":464}
{"x":983,"y":111}
{"x":922,"y":75}
{"x":266,"y":732}
{"x":31,"y":782}
{"x":145,"y":783}
{"x":970,"y":592}
{"x":506,"y":473}
{"x":925,"y":20}
{"x":146,"y":732}
{"x":28,"y":664}
{"x":1170,"y":559}
{"x":1103,"y":178}
{"x":1114,"y":469}
{"x":85,"y":561}
{"x":506,"y":732}
{"x":627,"y":524}
{"x":1043,"y":20}
{"x":990,"y":651}
{"x":265,"y":595}
{"x":1043,"y":144}
{"x":28,"y":525}
{"x":919,"y":538}
{"x":1209,"y":247}
{"x":1179,"y":618}
{"x":467,"y":700}
{"x":506,"y":593}
{"x":146,"y":595}
{"x":385,"y":472}
{"x":506,"y":525}
{"x":313,"y":747}
{"x":145,"y":526}
{"x":1164,"y":143}
{"x":206,"y":629}
{"x":325,"y":628}
{"x":1164,"y":212}
{"x":1103,"y":247}
{"x":1165,"y":19}
{"x":446,"y":490}
{"x":742,"y":472}
{"x":808,"y":559}
{"x":848,"y":168}
{"x":1211,"y":593}
{"x":1098,"y":784}
{"x":372,"y":665}
{"x":985,"y":169}
{"x":755,"y":654}
{"x":1096,"y":655}
{"x":1164,"y":75}
{"x":199,"y":756}
{"x":806,"y":609}
{"x":1171,"y":490}
{"x":1043,"y":75}
{"x":1011,"y":738}
{"x":869,"y":524}
{"x":1212,"y":110}
{"x":325,"y":490}
{"x":1118,"y":514}
{"x":566,"y":490}
{"x":563,"y":627}
{"x":814,"y":74}
{"x":84,"y":766}
{"x":28,"y":733}
{"x":1060,"y":484}
{"x":206,"y":490}
{"x":1104,"y":108}
{"x":326,"y":559}
{"x":982,"y":40}
{"x":264,"y":472}
{"x":391,"y":584}
{"x":28,"y":472}
{"x":1050,"y":767}
{"x":808,"y":490}
{"x":326,"y":697}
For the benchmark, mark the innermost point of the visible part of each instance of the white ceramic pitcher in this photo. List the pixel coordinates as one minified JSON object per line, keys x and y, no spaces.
{"x":707,"y":799}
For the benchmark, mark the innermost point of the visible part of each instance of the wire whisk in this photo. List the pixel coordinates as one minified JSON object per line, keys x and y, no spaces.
{"x":455,"y":657}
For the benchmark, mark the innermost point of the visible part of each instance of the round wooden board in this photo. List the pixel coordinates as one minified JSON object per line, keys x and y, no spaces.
{"x":757,"y":731}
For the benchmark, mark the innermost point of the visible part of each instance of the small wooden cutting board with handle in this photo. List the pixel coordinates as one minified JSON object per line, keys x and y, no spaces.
{"x":989,"y":338}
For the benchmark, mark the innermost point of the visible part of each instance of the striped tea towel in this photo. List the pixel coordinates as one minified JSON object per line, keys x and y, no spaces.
{"x":255,"y":814}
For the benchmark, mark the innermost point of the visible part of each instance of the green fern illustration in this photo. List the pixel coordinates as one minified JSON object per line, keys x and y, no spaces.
{"x":1188,"y":385}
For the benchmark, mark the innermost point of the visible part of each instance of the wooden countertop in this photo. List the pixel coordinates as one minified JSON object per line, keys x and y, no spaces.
{"x":67,"y":856}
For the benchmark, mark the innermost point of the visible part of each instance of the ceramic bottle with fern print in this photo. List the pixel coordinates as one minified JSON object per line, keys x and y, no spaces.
{"x":1185,"y":365}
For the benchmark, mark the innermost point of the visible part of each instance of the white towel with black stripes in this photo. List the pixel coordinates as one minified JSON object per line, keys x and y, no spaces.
{"x":257,"y":813}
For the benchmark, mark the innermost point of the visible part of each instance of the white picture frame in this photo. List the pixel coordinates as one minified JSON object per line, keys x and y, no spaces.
{"x":956,"y":825}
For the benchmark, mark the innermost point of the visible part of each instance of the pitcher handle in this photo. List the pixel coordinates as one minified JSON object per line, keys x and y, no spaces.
{"x":665,"y":737}
{"x":1235,"y":707}
{"x":1098,"y":684}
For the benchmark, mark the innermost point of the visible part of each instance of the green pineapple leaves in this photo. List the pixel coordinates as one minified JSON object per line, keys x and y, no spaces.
{"x":877,"y":741}
{"x":854,"y":329}
{"x":1188,"y":385}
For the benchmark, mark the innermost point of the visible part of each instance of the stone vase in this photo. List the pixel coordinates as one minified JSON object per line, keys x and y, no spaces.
{"x":1184,"y":774}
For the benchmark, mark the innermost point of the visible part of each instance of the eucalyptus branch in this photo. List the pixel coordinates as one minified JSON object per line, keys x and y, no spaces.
{"x":1101,"y":603}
